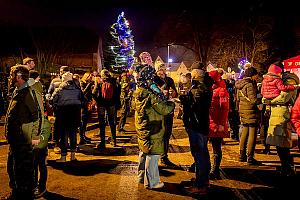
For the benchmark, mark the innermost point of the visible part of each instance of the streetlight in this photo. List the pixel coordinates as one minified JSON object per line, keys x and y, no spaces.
{"x":169,"y":60}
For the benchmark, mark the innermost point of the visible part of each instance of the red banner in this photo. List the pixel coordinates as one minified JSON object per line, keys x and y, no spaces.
{"x":292,"y":63}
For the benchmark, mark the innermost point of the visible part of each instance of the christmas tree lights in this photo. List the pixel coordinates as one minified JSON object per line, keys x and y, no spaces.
{"x":123,"y":50}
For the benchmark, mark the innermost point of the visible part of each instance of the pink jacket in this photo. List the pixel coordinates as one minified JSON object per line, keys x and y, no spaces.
{"x":272,"y":85}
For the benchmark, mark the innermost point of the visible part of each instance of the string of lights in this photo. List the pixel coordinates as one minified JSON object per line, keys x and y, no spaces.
{"x":124,"y":51}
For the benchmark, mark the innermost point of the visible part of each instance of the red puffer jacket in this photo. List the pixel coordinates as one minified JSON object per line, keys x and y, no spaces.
{"x":295,"y":116}
{"x":219,"y":109}
{"x":272,"y":85}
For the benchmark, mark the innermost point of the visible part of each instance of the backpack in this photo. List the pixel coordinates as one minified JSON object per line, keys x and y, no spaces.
{"x":107,"y":90}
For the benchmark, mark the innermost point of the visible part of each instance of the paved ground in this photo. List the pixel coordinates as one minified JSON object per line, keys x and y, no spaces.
{"x":112,"y":174}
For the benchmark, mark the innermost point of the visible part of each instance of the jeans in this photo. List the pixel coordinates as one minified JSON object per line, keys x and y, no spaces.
{"x":199,"y":150}
{"x":65,"y":135}
{"x":148,"y":172}
{"x":248,"y":140}
{"x":111,"y":115}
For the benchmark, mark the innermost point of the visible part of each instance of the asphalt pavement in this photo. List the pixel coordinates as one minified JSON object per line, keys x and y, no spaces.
{"x":112,"y":173}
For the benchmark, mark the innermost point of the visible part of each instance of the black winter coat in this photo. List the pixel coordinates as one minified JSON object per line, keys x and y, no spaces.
{"x":196,"y":105}
{"x":247,"y":101}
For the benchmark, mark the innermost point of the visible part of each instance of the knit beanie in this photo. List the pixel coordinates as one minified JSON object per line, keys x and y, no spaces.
{"x":145,"y":79}
{"x":146,"y":58}
{"x":274,"y":69}
{"x":215,"y":75}
{"x":145,"y":75}
{"x":249,"y":72}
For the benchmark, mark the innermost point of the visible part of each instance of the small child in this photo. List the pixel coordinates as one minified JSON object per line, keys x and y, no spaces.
{"x":272,"y":83}
{"x":40,"y":153}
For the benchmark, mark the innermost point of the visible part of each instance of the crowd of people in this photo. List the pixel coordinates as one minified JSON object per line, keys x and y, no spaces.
{"x":212,"y":107}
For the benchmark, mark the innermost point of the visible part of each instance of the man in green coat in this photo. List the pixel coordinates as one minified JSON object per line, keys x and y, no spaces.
{"x":150,"y":108}
{"x":21,"y":130}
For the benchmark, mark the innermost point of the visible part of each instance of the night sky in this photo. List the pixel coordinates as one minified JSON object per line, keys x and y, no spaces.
{"x":95,"y":17}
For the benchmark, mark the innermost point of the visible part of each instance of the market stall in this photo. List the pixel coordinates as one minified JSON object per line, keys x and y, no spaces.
{"x":292,"y":65}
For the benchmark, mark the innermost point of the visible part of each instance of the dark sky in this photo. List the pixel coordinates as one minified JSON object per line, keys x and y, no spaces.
{"x":97,"y":16}
{"x":94,"y":15}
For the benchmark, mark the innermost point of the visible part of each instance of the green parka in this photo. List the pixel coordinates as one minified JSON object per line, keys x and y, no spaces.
{"x":149,"y":120}
{"x":22,"y":122}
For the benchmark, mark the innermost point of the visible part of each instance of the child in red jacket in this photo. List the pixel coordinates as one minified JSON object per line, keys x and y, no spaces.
{"x":272,"y":83}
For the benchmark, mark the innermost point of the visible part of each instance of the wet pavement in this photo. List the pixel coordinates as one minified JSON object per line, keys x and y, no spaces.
{"x":112,"y":173}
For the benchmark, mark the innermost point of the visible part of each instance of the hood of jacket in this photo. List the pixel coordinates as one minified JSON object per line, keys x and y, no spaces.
{"x":69,"y":85}
{"x":270,"y":78}
{"x":241,"y":83}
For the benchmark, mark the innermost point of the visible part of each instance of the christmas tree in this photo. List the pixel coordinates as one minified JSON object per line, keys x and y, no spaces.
{"x":120,"y":51}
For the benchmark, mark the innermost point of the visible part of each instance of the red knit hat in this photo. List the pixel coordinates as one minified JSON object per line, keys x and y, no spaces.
{"x":274,"y":69}
{"x":215,"y":75}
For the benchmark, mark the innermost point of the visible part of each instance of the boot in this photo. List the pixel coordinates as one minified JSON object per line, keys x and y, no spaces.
{"x":252,"y":161}
{"x":243,"y":157}
{"x":73,"y":158}
{"x":101,"y":146}
{"x":192,"y":168}
{"x":267,"y":149}
{"x":83,"y":140}
{"x":87,"y":138}
{"x":62,"y":159}
{"x":215,"y":170}
{"x":288,"y":170}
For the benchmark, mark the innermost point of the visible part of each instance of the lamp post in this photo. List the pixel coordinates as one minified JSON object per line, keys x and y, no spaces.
{"x":168,"y":66}
{"x":169,"y":53}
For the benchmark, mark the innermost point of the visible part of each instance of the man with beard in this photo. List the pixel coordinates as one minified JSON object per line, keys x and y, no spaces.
{"x":21,"y":129}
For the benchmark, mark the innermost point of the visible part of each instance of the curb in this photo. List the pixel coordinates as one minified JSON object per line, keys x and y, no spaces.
{"x":3,"y":142}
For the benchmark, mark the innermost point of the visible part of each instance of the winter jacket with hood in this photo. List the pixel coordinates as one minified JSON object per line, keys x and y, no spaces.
{"x":218,"y":113}
{"x":67,"y":102}
{"x":272,"y":85}
{"x":247,"y":100}
{"x":196,"y":106}
{"x":21,"y":121}
{"x":279,"y":131}
{"x":149,"y":120}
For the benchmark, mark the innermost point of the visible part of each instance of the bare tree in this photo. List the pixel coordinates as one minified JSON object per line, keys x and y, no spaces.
{"x":248,"y":38}
{"x":220,"y":40}
{"x":49,"y":44}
